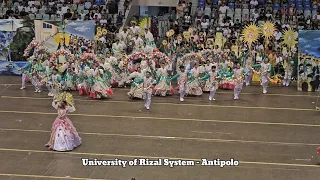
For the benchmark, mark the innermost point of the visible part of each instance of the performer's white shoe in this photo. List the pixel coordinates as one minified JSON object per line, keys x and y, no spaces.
{"x":22,"y":87}
{"x":211,"y":99}
{"x":181,"y":99}
{"x":235,"y":98}
{"x":264,"y":91}
{"x":39,"y":91}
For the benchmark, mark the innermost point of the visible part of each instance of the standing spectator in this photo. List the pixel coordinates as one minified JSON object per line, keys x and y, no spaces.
{"x":33,"y":9}
{"x":204,"y":25}
{"x":125,"y":6}
{"x":23,"y":13}
{"x":67,"y":15}
{"x":16,"y":11}
{"x":269,"y":16}
{"x":207,"y":12}
{"x":292,"y":12}
{"x":189,"y":7}
{"x":103,"y":20}
{"x":98,"y":14}
{"x":9,"y":12}
{"x":254,"y":4}
{"x":179,"y":10}
{"x":187,"y":19}
{"x":223,"y":9}
{"x":277,"y":35}
{"x":119,"y":19}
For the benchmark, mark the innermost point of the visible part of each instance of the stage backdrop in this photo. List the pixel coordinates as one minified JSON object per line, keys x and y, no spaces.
{"x":52,"y":33}
{"x":309,"y":54}
{"x":8,"y":27}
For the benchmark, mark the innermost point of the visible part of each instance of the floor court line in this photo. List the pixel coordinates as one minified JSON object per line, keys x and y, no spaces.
{"x":173,"y":104}
{"x":166,"y":118}
{"x":48,"y":177}
{"x":258,"y":93}
{"x":7,"y":87}
{"x":175,"y":138}
{"x":152,"y":157}
{"x":275,"y":94}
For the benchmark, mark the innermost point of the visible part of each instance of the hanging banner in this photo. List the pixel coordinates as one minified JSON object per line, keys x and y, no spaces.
{"x":308,"y":60}
{"x":10,"y":24}
{"x":54,"y":33}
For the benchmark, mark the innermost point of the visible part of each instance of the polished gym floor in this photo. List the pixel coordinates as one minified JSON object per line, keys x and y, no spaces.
{"x":273,"y":136}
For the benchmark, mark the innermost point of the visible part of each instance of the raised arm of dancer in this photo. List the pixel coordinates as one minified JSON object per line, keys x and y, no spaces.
{"x":71,"y":108}
{"x":55,"y":104}
{"x":175,"y":77}
{"x":205,"y":77}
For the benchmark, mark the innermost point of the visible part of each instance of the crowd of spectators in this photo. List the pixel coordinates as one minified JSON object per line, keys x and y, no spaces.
{"x":230,"y":17}
{"x":101,"y":11}
{"x":226,"y":16}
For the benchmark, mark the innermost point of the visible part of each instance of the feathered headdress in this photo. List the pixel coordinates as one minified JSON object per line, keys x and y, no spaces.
{"x":67,"y":97}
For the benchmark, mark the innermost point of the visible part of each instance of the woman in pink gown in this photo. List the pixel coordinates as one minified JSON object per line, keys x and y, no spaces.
{"x":64,"y":136}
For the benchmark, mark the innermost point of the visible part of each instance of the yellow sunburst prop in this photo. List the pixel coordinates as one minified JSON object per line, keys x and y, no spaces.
{"x":98,"y":29}
{"x":99,"y":33}
{"x":67,"y":97}
{"x":250,"y":34}
{"x":179,"y":37}
{"x":62,"y":37}
{"x":144,"y":23}
{"x":289,"y":38}
{"x":268,"y":30}
{"x":171,"y":32}
{"x":168,"y":34}
{"x":96,"y":38}
{"x":164,"y":42}
{"x":186,"y":34}
{"x":104,"y":31}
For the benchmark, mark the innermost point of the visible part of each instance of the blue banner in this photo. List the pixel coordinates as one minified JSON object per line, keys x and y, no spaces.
{"x":85,"y":29}
{"x":11,"y":68}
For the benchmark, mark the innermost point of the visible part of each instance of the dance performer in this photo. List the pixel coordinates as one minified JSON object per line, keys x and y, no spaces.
{"x":69,"y":79}
{"x":212,"y":82}
{"x":26,"y":70}
{"x":208,"y":70}
{"x":83,"y":86}
{"x":194,"y":84}
{"x":288,"y":69}
{"x":54,"y":83}
{"x":36,"y":77}
{"x":99,"y":89}
{"x":64,"y":136}
{"x":265,"y":69}
{"x":163,"y":83}
{"x":249,"y":71}
{"x":239,"y":73}
{"x":136,"y":90}
{"x":182,"y":77}
{"x":147,"y":89}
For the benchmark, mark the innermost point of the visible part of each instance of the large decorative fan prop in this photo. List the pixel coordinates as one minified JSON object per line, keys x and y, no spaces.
{"x":268,"y":30}
{"x":65,"y":97}
{"x":289,"y":38}
{"x":250,"y":34}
